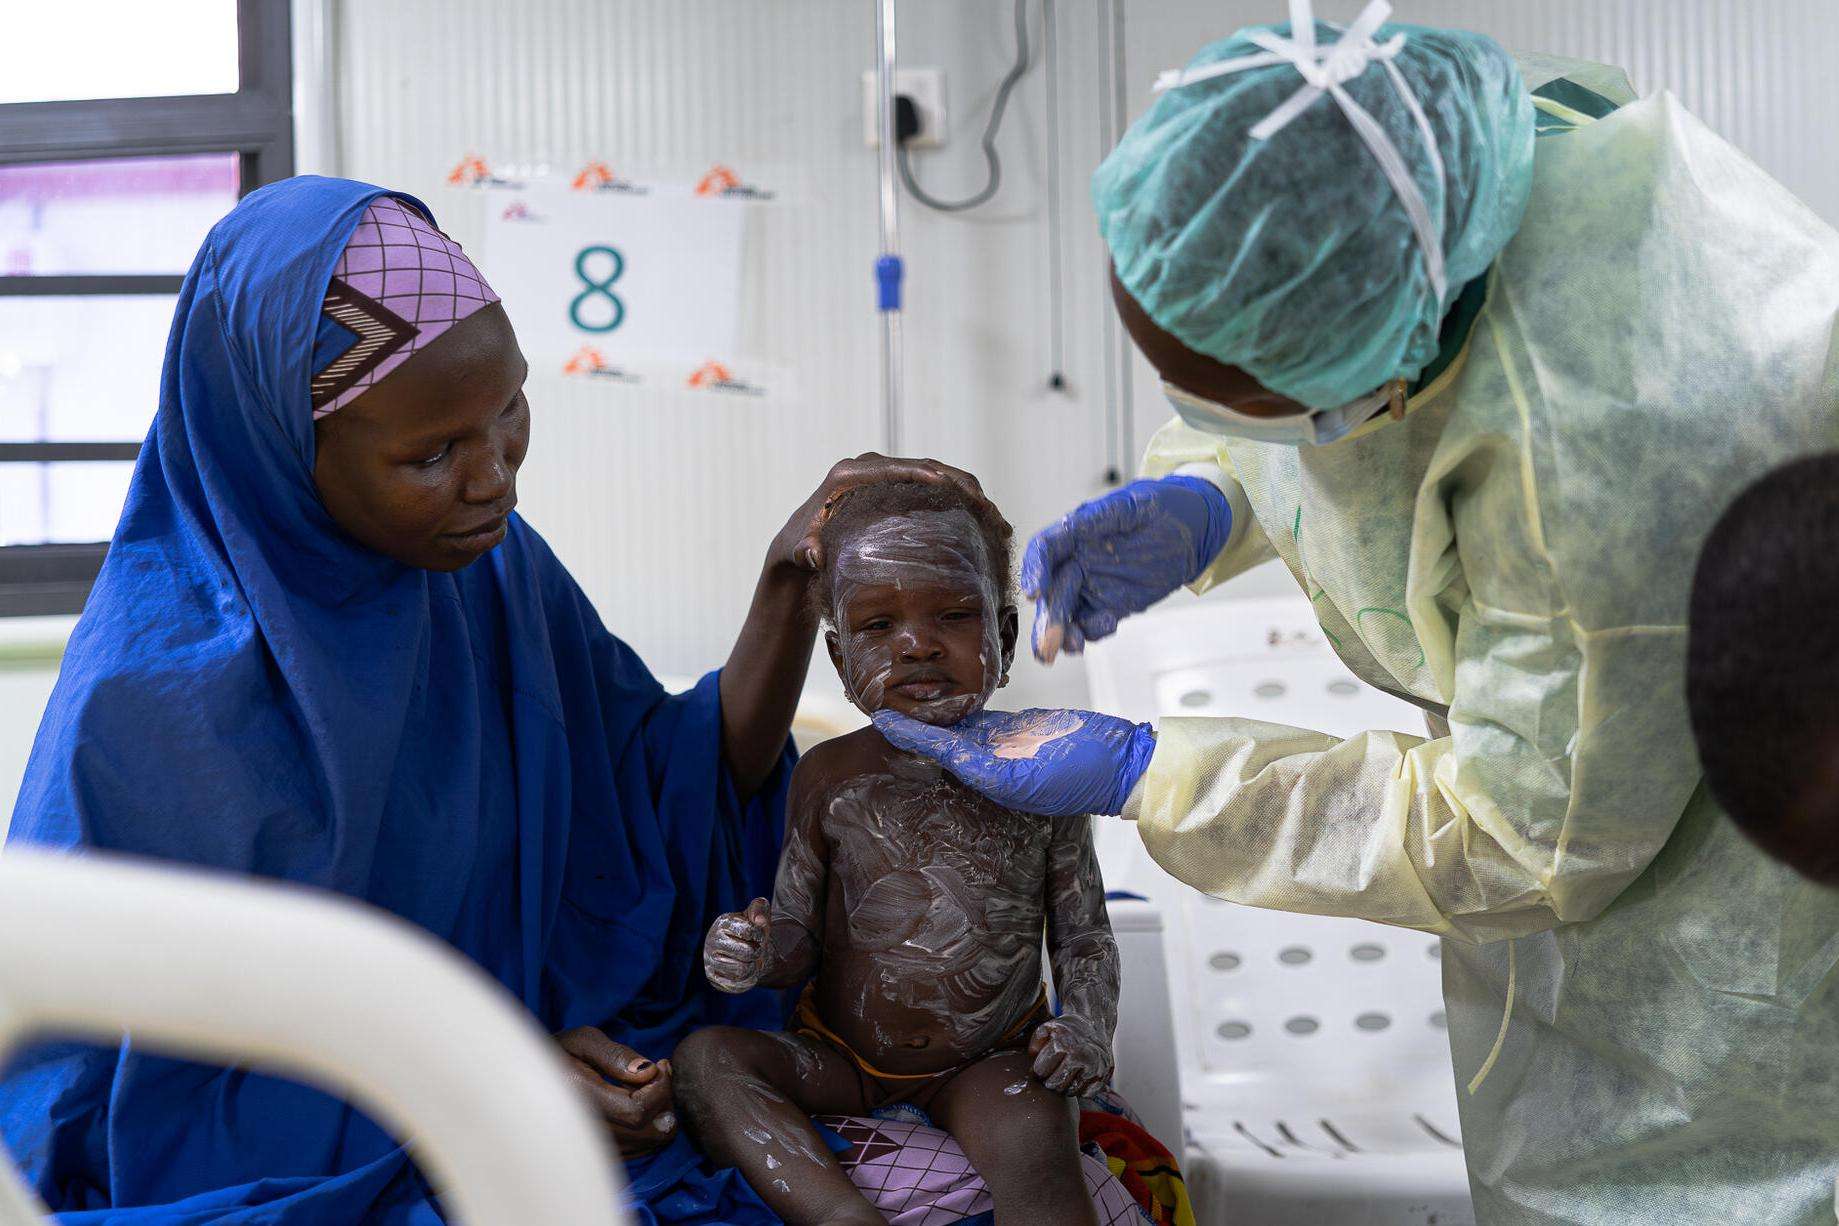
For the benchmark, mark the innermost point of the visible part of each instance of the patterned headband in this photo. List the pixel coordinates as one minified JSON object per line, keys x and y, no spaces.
{"x":399,"y":284}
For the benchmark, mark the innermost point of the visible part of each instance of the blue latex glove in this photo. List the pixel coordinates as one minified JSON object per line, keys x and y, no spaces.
{"x":1055,"y":763}
{"x":1119,"y":554}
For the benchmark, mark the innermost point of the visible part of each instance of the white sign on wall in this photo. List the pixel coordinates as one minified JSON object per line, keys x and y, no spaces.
{"x":629,"y":281}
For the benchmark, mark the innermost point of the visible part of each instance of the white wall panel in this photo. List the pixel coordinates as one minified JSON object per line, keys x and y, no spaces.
{"x":660,"y":502}
{"x":1761,"y":72}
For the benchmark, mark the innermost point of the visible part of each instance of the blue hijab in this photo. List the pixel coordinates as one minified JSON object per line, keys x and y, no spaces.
{"x":251,"y":690}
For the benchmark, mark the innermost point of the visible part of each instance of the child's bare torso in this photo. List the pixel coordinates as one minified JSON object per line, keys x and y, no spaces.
{"x":933,"y":912}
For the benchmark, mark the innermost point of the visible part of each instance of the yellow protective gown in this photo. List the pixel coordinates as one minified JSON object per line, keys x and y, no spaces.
{"x":1656,"y":997}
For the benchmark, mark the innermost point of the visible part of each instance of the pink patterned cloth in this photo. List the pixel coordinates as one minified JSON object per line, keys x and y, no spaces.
{"x":917,"y":1176}
{"x":399,"y":284}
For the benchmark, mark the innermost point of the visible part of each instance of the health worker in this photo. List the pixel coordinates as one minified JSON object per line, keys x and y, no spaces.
{"x":1480,"y":349}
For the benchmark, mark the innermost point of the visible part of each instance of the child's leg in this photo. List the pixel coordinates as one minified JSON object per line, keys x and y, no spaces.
{"x":1022,"y":1138}
{"x":749,"y":1097}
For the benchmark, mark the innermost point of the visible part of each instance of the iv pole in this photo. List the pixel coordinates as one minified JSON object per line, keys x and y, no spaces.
{"x":888,"y":268}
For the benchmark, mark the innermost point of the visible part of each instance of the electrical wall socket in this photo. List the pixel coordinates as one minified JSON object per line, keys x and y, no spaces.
{"x":926,"y":86}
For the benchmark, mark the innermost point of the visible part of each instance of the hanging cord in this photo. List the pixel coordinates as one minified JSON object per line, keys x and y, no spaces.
{"x":1009,"y":82}
{"x":1500,"y":1040}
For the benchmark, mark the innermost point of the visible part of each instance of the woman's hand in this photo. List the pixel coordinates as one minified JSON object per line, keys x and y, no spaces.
{"x":630,"y":1093}
{"x":765,"y":673}
{"x":797,"y":543}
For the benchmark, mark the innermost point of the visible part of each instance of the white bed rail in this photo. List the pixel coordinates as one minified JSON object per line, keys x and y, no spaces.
{"x":312,"y":987}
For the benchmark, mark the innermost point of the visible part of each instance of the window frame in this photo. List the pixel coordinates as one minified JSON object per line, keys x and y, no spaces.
{"x":256,"y":123}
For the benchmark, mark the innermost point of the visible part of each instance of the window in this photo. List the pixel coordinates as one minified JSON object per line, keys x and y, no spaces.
{"x":126,"y":130}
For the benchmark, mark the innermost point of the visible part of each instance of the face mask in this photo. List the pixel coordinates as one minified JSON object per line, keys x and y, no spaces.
{"x":1295,"y":429}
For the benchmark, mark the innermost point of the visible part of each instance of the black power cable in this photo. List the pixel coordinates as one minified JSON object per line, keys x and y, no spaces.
{"x":1003,"y":91}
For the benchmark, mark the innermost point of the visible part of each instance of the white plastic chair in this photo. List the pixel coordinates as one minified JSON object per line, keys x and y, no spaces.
{"x":1315,"y":1068}
{"x":313,"y":987}
{"x":1147,"y":1073}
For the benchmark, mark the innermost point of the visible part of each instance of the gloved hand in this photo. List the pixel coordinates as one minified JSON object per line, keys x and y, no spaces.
{"x":1118,"y":554}
{"x":1055,"y":763}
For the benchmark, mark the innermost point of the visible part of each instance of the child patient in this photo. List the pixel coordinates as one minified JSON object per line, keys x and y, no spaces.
{"x":913,"y":906}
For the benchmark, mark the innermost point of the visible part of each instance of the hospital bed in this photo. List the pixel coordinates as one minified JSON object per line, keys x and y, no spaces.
{"x":318,"y":989}
{"x":1314,"y":1068}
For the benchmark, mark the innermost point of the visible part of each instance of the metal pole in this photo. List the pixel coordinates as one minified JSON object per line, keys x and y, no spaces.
{"x":1056,"y":328}
{"x":1107,"y":135}
{"x":1120,"y":118}
{"x":888,"y":267}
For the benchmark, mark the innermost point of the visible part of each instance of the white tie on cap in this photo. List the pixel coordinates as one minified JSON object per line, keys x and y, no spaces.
{"x":1325,"y":69}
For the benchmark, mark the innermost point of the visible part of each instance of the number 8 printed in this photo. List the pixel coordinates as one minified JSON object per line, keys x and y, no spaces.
{"x":594,"y":287}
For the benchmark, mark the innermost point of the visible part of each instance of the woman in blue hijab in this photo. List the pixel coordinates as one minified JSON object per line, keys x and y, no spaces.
{"x":324,"y":649}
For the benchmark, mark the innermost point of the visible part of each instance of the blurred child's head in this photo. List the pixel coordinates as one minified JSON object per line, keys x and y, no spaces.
{"x":1762,"y":673}
{"x":916,"y":591}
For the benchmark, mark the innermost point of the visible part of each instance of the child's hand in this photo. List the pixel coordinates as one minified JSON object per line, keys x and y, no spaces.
{"x":734,"y":952}
{"x":1070,"y":1056}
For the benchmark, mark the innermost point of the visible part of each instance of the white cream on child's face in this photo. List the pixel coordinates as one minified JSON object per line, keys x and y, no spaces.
{"x":917,"y":616}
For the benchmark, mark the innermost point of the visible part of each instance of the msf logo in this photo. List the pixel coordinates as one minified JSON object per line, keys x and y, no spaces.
{"x":715,"y":377}
{"x":599,"y":177}
{"x":722,"y":183}
{"x":473,"y":171}
{"x":589,"y":363}
{"x":518,"y":210}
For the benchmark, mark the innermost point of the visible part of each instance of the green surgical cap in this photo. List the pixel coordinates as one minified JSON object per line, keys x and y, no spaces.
{"x":1292,"y":257}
